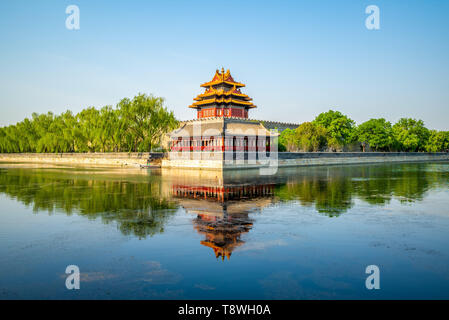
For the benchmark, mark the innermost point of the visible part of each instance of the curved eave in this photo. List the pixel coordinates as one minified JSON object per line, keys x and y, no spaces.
{"x":204,"y":103}
{"x":222,"y":100}
{"x":213,"y":83}
{"x":209,"y":94}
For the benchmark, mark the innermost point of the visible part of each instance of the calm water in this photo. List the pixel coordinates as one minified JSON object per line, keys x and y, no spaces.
{"x":306,"y":233}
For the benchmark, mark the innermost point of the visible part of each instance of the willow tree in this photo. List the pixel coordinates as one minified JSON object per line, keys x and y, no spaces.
{"x":146,"y":120}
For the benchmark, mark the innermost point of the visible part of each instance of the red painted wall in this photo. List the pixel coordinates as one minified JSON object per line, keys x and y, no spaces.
{"x":217,"y":112}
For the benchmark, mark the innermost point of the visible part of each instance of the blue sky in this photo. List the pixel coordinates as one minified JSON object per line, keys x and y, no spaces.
{"x":297,"y":58}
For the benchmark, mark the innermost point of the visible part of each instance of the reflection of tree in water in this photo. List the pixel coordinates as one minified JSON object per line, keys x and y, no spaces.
{"x":136,"y":207}
{"x":329,"y":196}
{"x":332,"y":189}
{"x":407,"y":183}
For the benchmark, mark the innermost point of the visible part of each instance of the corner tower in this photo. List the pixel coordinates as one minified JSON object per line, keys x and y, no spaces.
{"x":222,"y":98}
{"x":222,"y":136}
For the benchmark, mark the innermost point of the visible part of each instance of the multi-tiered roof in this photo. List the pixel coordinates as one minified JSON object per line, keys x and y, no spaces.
{"x":223,"y":93}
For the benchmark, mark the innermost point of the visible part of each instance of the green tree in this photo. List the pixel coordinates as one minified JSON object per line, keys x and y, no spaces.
{"x":410,"y":134}
{"x":311,"y":136}
{"x":45,"y":132}
{"x":340,"y":128}
{"x":438,"y":141}
{"x":90,"y":124}
{"x":377,"y":133}
{"x":147,"y":120}
{"x":287,"y":140}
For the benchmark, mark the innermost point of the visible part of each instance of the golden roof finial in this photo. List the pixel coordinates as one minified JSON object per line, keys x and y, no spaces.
{"x":222,"y":70}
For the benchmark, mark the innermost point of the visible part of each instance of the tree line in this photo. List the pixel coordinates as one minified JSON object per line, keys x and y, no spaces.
{"x":334,"y":131}
{"x":134,"y":125}
{"x":140,"y":124}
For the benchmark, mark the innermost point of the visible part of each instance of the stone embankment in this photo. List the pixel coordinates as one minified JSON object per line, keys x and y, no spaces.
{"x":296,"y":159}
{"x":203,"y":161}
{"x":121,"y":159}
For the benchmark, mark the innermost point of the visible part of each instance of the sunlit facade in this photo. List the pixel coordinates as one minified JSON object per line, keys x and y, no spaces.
{"x":222,"y":122}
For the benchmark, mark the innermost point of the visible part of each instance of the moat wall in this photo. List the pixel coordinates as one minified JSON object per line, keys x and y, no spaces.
{"x":122,"y":159}
{"x":293,"y":159}
{"x":283,"y":159}
{"x":327,"y":158}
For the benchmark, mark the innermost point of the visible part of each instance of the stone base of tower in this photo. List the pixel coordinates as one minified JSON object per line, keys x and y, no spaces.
{"x":193,"y":164}
{"x":214,"y":164}
{"x":220,"y":143}
{"x":218,"y":160}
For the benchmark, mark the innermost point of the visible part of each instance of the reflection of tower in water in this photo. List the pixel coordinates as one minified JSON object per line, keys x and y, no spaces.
{"x":223,"y":212}
{"x":222,"y":234}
